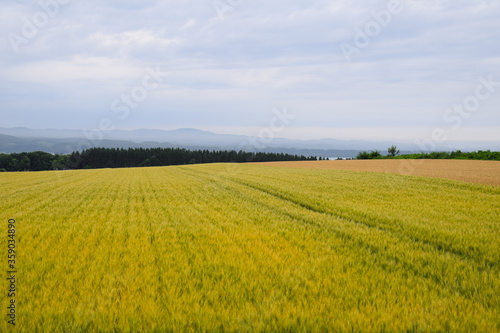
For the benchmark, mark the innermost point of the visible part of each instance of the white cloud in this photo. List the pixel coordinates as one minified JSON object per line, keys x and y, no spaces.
{"x":95,"y":69}
{"x":263,"y":54}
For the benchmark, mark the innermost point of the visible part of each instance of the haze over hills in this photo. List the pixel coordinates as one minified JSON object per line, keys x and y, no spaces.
{"x":20,"y":139}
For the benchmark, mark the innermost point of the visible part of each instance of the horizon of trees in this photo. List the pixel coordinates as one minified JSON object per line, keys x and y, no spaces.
{"x":97,"y":158}
{"x":393,"y":153}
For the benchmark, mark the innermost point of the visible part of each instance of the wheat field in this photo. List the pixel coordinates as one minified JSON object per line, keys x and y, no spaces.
{"x":214,"y":248}
{"x":472,"y":171}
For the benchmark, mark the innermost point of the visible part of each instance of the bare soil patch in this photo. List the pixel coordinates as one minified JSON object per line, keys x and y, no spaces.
{"x":481,"y":172}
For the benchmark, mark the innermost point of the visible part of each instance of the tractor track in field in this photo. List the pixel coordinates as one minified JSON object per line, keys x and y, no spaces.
{"x":385,"y":259}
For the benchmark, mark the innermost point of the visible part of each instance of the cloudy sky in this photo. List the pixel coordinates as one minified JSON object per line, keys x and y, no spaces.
{"x":389,"y":69}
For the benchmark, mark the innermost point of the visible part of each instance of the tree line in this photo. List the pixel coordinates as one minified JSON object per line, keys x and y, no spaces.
{"x":393,"y":153}
{"x":97,"y":158}
{"x":456,"y":155}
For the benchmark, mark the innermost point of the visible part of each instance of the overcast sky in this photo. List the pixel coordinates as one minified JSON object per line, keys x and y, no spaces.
{"x":344,"y":69}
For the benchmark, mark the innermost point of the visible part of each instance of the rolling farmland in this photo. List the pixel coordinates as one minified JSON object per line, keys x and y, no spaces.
{"x":482,"y":172}
{"x":252,"y":248}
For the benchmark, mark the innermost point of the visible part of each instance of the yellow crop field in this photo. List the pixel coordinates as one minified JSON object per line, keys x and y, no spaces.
{"x":481,"y":172}
{"x":207,"y":248}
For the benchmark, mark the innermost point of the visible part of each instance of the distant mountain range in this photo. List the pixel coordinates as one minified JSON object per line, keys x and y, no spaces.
{"x":20,"y":139}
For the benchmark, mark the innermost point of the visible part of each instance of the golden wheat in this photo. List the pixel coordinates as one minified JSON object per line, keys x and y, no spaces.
{"x":252,"y":248}
{"x":481,"y":172}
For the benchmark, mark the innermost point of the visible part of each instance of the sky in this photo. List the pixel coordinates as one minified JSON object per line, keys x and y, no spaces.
{"x":425,"y":70}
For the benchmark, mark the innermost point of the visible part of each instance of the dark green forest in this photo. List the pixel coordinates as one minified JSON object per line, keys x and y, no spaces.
{"x":97,"y":158}
{"x":454,"y":155}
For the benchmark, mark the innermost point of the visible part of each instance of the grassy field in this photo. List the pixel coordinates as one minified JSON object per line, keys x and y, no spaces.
{"x":252,"y":248}
{"x":481,"y":172}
